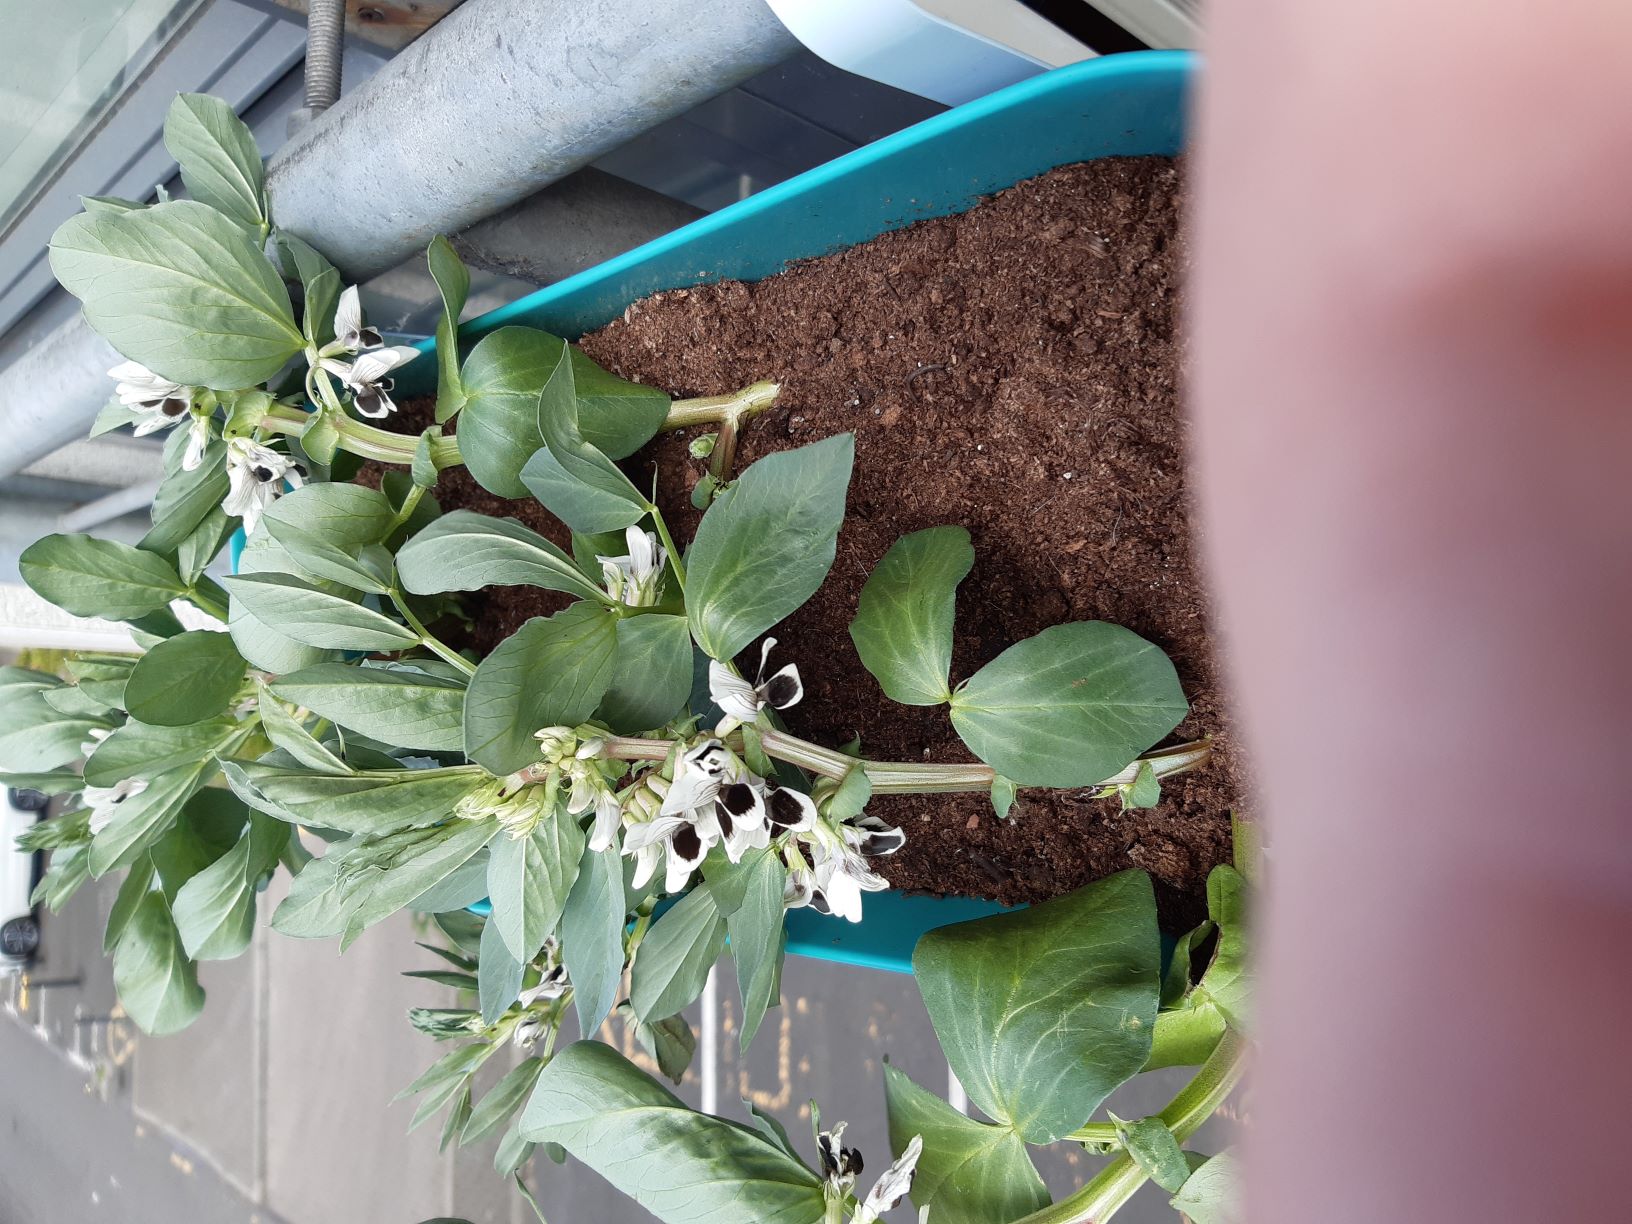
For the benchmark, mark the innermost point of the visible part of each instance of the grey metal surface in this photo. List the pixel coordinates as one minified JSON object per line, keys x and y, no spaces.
{"x":497,"y":101}
{"x":49,"y":394}
{"x":571,"y":225}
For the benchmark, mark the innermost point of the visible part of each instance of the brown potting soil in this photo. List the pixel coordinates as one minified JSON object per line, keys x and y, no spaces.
{"x":1014,"y":370}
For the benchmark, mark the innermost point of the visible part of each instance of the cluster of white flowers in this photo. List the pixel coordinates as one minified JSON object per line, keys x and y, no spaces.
{"x":551,"y":986}
{"x":840,"y":1166}
{"x":257,"y":474}
{"x":714,"y":799}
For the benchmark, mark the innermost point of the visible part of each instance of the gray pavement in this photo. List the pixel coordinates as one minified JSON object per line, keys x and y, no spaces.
{"x":275,"y":1108}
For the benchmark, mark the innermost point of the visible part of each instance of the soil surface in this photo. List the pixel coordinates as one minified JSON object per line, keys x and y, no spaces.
{"x":1014,"y":370}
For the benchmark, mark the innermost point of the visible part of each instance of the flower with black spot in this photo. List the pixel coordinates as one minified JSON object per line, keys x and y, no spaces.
{"x":741,"y":701}
{"x":349,"y":331}
{"x":368,"y":378}
{"x":256,"y":476}
{"x":840,"y":1166}
{"x":892,"y":1186}
{"x":105,"y":801}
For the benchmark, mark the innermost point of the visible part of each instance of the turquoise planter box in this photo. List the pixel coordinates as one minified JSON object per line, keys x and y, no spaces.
{"x":1121,"y":105}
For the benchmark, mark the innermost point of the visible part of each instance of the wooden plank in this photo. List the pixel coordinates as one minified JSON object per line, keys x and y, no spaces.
{"x":392,"y":24}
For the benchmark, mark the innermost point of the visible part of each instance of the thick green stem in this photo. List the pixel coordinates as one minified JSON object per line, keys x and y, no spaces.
{"x":207,"y":596}
{"x":903,"y":777}
{"x":716,"y":409}
{"x":430,"y":640}
{"x":1195,"y":1103}
{"x":366,"y":441}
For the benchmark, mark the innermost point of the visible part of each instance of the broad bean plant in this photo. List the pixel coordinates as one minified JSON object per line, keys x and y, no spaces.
{"x":599,"y":805}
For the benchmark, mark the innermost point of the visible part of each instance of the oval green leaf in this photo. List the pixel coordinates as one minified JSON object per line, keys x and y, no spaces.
{"x":528,"y":879}
{"x":181,"y":289}
{"x":219,"y":161}
{"x":186,"y":679}
{"x":498,"y":425}
{"x":1043,"y":1011}
{"x":1070,"y":706}
{"x":86,"y":576}
{"x":683,"y":1167}
{"x":903,"y":625}
{"x":552,"y":672}
{"x":672,"y":965}
{"x":766,"y":545}
{"x":651,"y":680}
{"x":315,"y":617}
{"x":397,"y":706}
{"x":466,"y":551}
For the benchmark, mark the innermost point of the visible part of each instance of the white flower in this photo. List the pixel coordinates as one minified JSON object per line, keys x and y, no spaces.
{"x":349,"y":331}
{"x":528,"y":1031}
{"x":839,"y":1164}
{"x":740,"y":701}
{"x":198,"y":438}
{"x":842,"y":875}
{"x":608,"y":819}
{"x":554,"y":983}
{"x":788,"y":810}
{"x":368,"y":380}
{"x":892,"y":1187}
{"x":94,"y":737}
{"x":687,"y":842}
{"x":635,"y":579}
{"x":104,"y":801}
{"x":160,"y":402}
{"x":872,"y":837}
{"x":256,"y":476}
{"x":712,"y":789}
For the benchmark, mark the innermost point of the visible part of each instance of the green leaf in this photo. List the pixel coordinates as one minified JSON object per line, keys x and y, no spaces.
{"x":348,"y":516}
{"x":181,"y":289}
{"x":137,"y":750}
{"x":616,"y":1119}
{"x":615,"y":415}
{"x":528,"y":879}
{"x":502,"y":1100}
{"x":498,"y":425}
{"x":453,"y":286}
{"x":315,"y":617}
{"x":372,"y":803}
{"x":969,"y":1172}
{"x":464,"y":887}
{"x":757,"y":941}
{"x":157,"y":984}
{"x":366,"y":879}
{"x":499,"y":974}
{"x":114,"y":415}
{"x":290,"y":734}
{"x":51,"y":782}
{"x":1227,"y":984}
{"x":1043,"y":1011}
{"x":185,"y":500}
{"x":219,"y":161}
{"x":423,"y":469}
{"x":592,"y":936}
{"x":766,"y":545}
{"x":108,"y":204}
{"x":214,"y":911}
{"x":1069,"y":707}
{"x":1212,"y":1194}
{"x":573,"y":477}
{"x":204,"y":543}
{"x":407,"y":709}
{"x":850,"y":799}
{"x":651,"y":675}
{"x":322,"y":560}
{"x":90,"y":577}
{"x":1003,"y":792}
{"x":552,"y":672}
{"x":143,"y":818}
{"x":903,"y":625}
{"x":1155,"y":1150}
{"x":672,"y":965}
{"x":320,"y":281}
{"x":1145,"y":791}
{"x":671,"y":1043}
{"x":513,"y":1151}
{"x":36,"y":736}
{"x":187,"y":679}
{"x":466,"y":551}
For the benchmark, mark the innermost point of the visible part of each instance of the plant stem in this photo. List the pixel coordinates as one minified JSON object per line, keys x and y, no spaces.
{"x":435,"y":644}
{"x":207,"y":596}
{"x":717,"y":409}
{"x":904,"y":777}
{"x":677,"y":565}
{"x":380,"y":445}
{"x":1196,"y":1102}
{"x":410,"y":503}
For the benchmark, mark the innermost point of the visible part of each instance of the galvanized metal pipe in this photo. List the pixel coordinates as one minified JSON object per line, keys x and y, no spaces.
{"x":500,"y":99}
